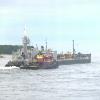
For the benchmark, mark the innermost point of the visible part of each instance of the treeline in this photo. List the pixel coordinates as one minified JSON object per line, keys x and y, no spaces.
{"x":8,"y":49}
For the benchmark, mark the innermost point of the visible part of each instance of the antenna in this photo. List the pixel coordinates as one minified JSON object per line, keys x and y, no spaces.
{"x":36,"y":46}
{"x":46,"y":45}
{"x":25,"y":31}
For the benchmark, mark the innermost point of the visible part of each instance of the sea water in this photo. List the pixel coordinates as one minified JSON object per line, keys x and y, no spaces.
{"x":68,"y":82}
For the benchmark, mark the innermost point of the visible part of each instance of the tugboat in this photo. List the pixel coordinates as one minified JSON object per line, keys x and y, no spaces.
{"x":33,"y":58}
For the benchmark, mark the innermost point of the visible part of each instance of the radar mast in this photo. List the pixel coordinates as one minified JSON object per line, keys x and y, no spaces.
{"x":25,"y":41}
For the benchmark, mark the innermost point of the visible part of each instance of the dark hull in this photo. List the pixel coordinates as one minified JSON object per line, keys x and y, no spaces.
{"x":44,"y":65}
{"x":47,"y":65}
{"x":73,"y":61}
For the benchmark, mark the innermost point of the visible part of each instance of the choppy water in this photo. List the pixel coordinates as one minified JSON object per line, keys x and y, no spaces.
{"x":71,"y":82}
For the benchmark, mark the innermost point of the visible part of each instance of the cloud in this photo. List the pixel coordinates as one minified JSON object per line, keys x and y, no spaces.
{"x":57,"y":20}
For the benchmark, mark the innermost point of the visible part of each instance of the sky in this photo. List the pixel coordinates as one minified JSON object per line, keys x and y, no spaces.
{"x":57,"y":21}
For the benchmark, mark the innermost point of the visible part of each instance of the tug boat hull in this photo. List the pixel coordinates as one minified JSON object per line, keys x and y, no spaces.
{"x":44,"y":65}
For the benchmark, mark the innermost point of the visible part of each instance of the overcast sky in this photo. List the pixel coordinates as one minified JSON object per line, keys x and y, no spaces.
{"x":58,"y":21}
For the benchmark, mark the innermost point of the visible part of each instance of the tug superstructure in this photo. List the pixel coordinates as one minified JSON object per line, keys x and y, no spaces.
{"x":29,"y":57}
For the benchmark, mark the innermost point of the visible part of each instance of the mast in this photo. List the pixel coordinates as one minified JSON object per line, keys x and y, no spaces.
{"x":25,"y":41}
{"x":73,"y":49}
{"x":46,"y":45}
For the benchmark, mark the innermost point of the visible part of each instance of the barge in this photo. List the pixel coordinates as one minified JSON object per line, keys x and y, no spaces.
{"x":73,"y":58}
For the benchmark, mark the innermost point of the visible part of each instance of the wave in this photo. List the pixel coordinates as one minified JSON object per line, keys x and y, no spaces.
{"x":13,"y":67}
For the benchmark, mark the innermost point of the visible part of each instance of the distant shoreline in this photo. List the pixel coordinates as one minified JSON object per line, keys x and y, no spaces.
{"x":9,"y":49}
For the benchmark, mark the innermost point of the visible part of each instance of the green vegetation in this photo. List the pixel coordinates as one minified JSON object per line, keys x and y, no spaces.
{"x":8,"y":49}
